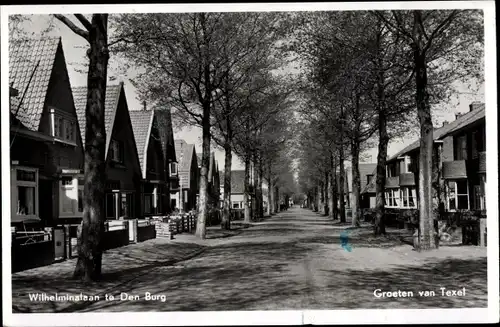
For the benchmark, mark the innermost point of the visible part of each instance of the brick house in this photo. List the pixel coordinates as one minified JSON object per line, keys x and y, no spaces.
{"x":147,"y":138}
{"x":461,"y":152}
{"x":46,"y":147}
{"x":237,"y":188}
{"x":188,"y":177}
{"x":123,"y":169}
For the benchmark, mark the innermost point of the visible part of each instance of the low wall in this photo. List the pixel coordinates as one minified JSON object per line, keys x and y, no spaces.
{"x":146,"y":233}
{"x":115,"y":239}
{"x":32,"y":255}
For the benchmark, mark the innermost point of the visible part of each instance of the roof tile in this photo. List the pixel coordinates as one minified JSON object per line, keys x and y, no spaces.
{"x":23,"y":58}
{"x":462,"y":121}
{"x":237,"y":181}
{"x":184,"y":153}
{"x":112,"y":97}
{"x":141,"y":125}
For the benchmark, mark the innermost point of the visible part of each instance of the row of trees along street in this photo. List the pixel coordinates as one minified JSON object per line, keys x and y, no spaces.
{"x":366,"y":77}
{"x":221,"y":72}
{"x":356,"y":78}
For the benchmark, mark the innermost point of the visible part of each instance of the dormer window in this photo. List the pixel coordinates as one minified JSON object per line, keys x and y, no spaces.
{"x":63,"y":126}
{"x":407,"y":164}
{"x":116,"y":151}
{"x":173,"y":168}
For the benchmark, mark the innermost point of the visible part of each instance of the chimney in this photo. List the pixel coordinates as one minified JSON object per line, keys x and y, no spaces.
{"x":458,"y":115}
{"x":144,"y":105}
{"x":475,"y":105}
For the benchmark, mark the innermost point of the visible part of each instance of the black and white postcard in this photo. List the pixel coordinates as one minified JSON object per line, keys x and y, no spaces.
{"x":249,"y":163}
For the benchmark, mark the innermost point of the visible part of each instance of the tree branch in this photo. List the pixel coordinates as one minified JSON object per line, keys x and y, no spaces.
{"x":72,"y":26}
{"x":84,"y":21}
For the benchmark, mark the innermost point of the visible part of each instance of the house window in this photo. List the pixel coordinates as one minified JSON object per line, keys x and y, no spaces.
{"x":408,"y":197}
{"x":173,"y":168}
{"x":80,"y":198}
{"x":458,"y":195}
{"x":369,"y":178}
{"x":127,"y":205}
{"x":392,"y":198}
{"x":25,"y":195}
{"x":461,"y":147}
{"x":236,"y":205}
{"x":63,"y":128}
{"x":478,"y":197}
{"x":148,"y":203}
{"x":408,"y":165}
{"x":116,"y":151}
{"x":111,"y":199}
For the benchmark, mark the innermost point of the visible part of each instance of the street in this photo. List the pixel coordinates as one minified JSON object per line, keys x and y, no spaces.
{"x":295,"y":260}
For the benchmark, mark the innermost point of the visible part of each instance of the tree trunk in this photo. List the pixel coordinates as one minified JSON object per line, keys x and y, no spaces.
{"x":226,"y":212}
{"x":331,"y":191}
{"x":91,"y":231}
{"x":335,"y":208}
{"x":379,"y":226}
{"x":272,"y":201}
{"x":356,"y":184}
{"x":342,"y":185}
{"x":246,"y":194}
{"x":325,"y":192}
{"x":269,"y":188}
{"x":318,"y":198}
{"x":259,"y":186}
{"x":277,"y":200}
{"x":427,"y":233}
{"x":380,"y":178}
{"x":205,"y":161}
{"x":255,"y":196}
{"x":205,"y":156}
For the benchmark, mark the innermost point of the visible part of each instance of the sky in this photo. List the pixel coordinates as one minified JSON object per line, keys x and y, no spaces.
{"x":74,"y":48}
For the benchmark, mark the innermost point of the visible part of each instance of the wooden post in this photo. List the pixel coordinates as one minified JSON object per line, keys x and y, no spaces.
{"x":67,"y":242}
{"x":482,"y":232}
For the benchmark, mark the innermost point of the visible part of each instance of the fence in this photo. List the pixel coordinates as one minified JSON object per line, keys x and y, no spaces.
{"x":31,"y":250}
{"x":471,"y":224}
{"x":168,"y":226}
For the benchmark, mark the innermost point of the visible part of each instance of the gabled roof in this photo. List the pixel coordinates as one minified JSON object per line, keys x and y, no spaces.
{"x":212,"y":168}
{"x":24,"y":56}
{"x":184,"y":153}
{"x":237,"y":181}
{"x":164,"y":121}
{"x":142,"y":123}
{"x":439,"y":133}
{"x":112,"y":98}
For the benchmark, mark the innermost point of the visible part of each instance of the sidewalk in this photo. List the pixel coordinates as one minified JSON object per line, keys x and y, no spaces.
{"x":120,"y":265}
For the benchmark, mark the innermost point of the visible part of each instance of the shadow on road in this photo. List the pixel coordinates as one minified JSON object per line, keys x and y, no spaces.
{"x":452,"y":274}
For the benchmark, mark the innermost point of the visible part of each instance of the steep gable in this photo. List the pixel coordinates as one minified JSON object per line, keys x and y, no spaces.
{"x":142,"y":123}
{"x":31,"y":64}
{"x":165,"y":128}
{"x":184,"y":153}
{"x":237,"y":181}
{"x":113,"y":93}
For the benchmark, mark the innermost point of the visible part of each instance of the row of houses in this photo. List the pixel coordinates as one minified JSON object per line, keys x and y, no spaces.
{"x":460,"y":148}
{"x":148,"y":173}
